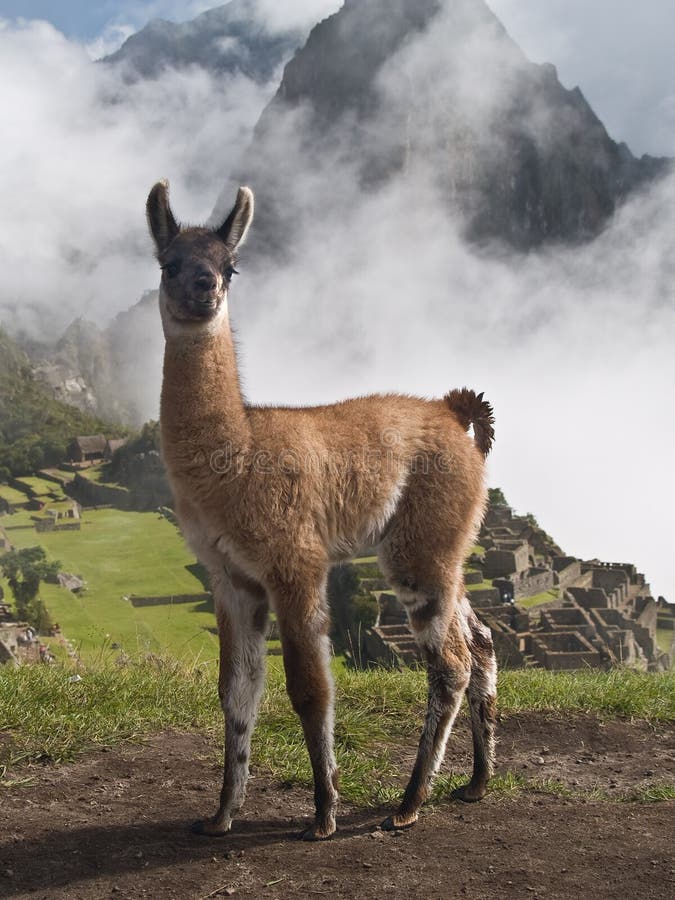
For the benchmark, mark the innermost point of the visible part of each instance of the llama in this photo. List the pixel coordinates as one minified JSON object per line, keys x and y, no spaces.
{"x":268,"y":498}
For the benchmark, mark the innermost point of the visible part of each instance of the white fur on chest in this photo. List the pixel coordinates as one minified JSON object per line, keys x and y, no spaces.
{"x":211,"y":547}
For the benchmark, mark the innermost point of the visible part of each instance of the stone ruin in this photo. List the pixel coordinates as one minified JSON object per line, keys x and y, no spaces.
{"x":600,"y":614}
{"x":19,"y":642}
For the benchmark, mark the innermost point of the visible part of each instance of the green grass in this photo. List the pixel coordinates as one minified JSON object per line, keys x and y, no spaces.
{"x":118,"y":554}
{"x":664,"y":637}
{"x":655,"y":793}
{"x":94,"y":473}
{"x":61,"y":506}
{"x":49,"y":717}
{"x":619,"y":692}
{"x":100,"y":475}
{"x":539,"y":599}
{"x":17,"y":520}
{"x":40,"y":487}
{"x":11,"y":495}
{"x":481,"y":586}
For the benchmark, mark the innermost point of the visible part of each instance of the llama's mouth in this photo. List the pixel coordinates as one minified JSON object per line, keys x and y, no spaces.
{"x":199,"y":309}
{"x":204,"y":310}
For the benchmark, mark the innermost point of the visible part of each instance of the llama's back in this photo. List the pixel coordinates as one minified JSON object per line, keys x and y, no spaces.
{"x":358,"y":464}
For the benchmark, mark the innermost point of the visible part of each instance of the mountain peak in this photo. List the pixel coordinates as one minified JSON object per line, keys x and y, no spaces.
{"x":229,"y":39}
{"x":437,"y":90}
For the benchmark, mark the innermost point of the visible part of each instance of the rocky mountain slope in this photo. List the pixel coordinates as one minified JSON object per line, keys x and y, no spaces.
{"x":225,"y":40}
{"x":35,"y":428}
{"x":101,"y":371}
{"x":436,"y":92}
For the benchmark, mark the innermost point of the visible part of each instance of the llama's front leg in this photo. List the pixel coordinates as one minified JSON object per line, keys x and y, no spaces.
{"x":448,"y":668}
{"x":309,"y":683}
{"x":241,"y":610}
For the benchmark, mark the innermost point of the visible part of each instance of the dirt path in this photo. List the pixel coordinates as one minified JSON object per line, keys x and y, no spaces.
{"x":114,"y":825}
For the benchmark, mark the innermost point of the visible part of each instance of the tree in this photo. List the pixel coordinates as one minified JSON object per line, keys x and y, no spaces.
{"x":496,"y":497}
{"x":24,"y":570}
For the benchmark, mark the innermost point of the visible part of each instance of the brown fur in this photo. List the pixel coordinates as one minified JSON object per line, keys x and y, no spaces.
{"x":270,"y":497}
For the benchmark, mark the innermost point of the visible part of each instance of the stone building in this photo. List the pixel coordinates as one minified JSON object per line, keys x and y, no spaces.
{"x":598,"y":614}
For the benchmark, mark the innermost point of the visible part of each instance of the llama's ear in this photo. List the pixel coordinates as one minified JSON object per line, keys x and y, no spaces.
{"x":163,"y":226}
{"x":234,"y":229}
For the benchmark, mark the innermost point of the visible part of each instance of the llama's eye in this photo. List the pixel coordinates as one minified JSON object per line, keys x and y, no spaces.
{"x":171,"y":269}
{"x":229,"y":272}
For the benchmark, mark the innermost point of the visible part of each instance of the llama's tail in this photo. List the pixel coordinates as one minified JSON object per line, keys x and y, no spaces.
{"x":471,"y":409}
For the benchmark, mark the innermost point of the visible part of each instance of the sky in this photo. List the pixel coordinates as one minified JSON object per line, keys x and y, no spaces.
{"x":574,"y":349}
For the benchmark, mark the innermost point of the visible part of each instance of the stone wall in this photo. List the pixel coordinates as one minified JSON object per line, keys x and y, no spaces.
{"x":566,"y":570}
{"x":503,"y":560}
{"x":169,"y":599}
{"x":533,"y":581}
{"x":88,"y":493}
{"x":473,"y":577}
{"x":564,"y":650}
{"x":52,"y":524}
{"x":611,"y":627}
{"x":609,"y":580}
{"x":484,"y":597}
{"x":570,"y":618}
{"x":590,"y":598}
{"x":611,"y":621}
{"x":496,"y":516}
{"x":646,"y":613}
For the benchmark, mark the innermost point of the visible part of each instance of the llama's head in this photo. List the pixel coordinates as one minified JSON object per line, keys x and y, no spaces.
{"x":197,"y":263}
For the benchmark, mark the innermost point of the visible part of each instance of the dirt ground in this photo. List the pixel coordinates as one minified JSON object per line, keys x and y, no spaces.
{"x":114,"y":824}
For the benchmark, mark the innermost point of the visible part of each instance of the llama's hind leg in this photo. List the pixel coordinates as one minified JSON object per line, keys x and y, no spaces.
{"x":242,"y":612}
{"x":482,"y":696}
{"x":448,"y":670}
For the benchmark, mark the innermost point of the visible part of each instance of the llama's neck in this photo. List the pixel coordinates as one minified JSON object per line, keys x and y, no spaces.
{"x":202,"y":411}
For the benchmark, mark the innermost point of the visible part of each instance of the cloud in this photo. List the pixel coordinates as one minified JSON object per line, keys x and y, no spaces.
{"x":111,"y":38}
{"x":80,"y":154}
{"x":619,"y":53}
{"x":302,"y":14}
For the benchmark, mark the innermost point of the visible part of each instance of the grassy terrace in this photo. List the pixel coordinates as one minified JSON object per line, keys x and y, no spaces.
{"x":539,"y":599}
{"x":40,"y":487}
{"x":481,"y":586}
{"x":47,"y":717}
{"x":11,"y":495}
{"x":25,"y":518}
{"x":100,"y":475}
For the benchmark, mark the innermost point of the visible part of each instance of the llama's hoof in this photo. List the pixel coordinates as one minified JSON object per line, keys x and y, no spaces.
{"x":469,"y":793}
{"x":398,"y":822}
{"x":315,"y":833}
{"x":210,"y":828}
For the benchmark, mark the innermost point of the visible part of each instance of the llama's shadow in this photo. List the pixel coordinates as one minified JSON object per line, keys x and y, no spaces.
{"x":108,"y":851}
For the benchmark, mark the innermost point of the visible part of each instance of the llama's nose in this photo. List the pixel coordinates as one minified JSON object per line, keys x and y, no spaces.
{"x":205,"y":280}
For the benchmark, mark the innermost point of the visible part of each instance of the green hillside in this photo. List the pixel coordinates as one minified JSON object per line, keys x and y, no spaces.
{"x":34,"y":427}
